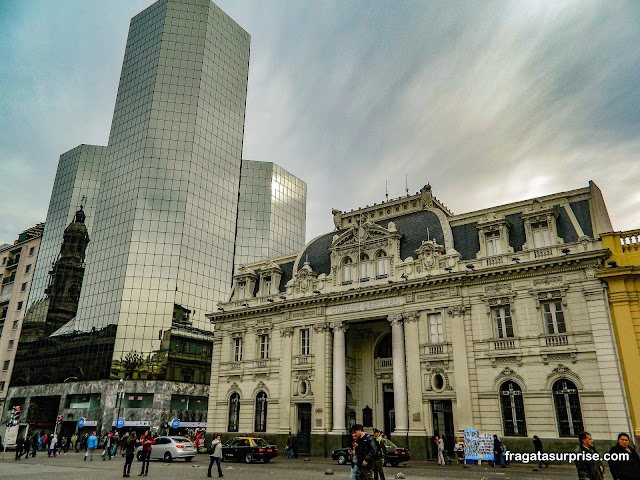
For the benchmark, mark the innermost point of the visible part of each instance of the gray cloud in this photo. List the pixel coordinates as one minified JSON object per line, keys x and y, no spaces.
{"x":490,"y":102}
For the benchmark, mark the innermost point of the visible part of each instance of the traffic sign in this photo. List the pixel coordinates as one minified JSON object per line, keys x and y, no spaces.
{"x":175,"y":423}
{"x":120,"y":422}
{"x":81,"y":422}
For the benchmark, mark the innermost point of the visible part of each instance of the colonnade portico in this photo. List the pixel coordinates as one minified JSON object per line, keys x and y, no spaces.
{"x":400,"y":397}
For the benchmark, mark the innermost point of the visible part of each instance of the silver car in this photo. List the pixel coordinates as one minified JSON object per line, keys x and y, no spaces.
{"x":169,"y":448}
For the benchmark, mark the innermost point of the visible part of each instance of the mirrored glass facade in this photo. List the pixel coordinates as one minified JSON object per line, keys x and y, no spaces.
{"x":77,"y":182}
{"x":271,"y":212}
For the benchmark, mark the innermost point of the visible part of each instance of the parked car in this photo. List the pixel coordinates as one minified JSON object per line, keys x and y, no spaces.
{"x":394,"y":455}
{"x":248,"y":449}
{"x":170,"y":448}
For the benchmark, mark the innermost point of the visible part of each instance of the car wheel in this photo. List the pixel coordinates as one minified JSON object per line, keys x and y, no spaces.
{"x":267,"y":460}
{"x":167,"y":457}
{"x":248,"y":458}
{"x":342,"y":459}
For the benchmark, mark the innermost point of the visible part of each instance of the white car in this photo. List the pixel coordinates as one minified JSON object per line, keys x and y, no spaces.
{"x":169,"y":448}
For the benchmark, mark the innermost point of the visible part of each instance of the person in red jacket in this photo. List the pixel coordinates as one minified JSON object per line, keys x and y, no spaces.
{"x":146,"y":441}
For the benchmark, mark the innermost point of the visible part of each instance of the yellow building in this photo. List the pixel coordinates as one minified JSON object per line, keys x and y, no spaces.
{"x":622,"y":274}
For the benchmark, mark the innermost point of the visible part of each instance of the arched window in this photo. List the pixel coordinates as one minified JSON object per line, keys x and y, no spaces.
{"x":365,"y":266}
{"x":261,"y":412}
{"x":384,"y":349}
{"x":512,"y":404}
{"x":568,"y":412}
{"x":234,"y":412}
{"x":382,"y":264}
{"x":347,"y":270}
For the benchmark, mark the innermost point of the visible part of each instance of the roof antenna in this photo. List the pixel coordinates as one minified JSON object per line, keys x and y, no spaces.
{"x":386,"y":190}
{"x":406,"y":184}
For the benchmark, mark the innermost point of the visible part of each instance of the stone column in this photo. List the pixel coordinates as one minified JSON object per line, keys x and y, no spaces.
{"x":459,"y":330}
{"x":400,"y":399}
{"x":285,"y":426}
{"x":339,"y":378}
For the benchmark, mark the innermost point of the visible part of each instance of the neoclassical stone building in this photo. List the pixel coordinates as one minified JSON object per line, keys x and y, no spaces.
{"x":420,"y":322}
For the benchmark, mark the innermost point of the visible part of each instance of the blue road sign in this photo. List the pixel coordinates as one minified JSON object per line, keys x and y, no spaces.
{"x":120,"y":422}
{"x":175,"y":423}
{"x":81,"y":422}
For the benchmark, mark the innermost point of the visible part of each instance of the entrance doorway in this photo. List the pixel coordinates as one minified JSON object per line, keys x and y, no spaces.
{"x":388,"y":408}
{"x":443,"y":422}
{"x":304,"y":427}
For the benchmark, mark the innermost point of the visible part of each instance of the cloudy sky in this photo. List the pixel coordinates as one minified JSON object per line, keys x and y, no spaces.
{"x":489,"y":101}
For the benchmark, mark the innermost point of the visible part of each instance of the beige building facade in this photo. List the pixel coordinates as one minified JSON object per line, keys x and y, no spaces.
{"x":17,"y":263}
{"x":419,"y":322}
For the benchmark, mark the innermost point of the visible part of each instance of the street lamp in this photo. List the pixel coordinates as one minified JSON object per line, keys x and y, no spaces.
{"x":119,"y":398}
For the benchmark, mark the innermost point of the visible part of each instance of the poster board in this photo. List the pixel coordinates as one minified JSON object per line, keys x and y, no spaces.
{"x":485,"y":446}
{"x":471,"y":444}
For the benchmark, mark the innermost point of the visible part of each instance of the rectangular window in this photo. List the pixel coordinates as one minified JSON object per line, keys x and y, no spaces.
{"x":494,"y":247}
{"x":237,"y":349}
{"x":11,"y":344}
{"x":504,"y":324}
{"x":32,"y":250}
{"x":541,"y":235}
{"x":137,"y":400}
{"x":267,"y":286}
{"x":305,"y":345}
{"x":436,"y":331}
{"x":27,"y":268}
{"x":23,"y":287}
{"x":5,"y":366}
{"x":4,"y":261}
{"x":264,"y":346}
{"x":2,"y":384}
{"x":554,"y":317}
{"x":19,"y":306}
{"x":15,"y":324}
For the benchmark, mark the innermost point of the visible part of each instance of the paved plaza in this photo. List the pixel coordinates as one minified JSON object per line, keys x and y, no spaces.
{"x":72,"y":467}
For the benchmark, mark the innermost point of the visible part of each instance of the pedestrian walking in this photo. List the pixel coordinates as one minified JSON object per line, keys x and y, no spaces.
{"x":378,"y":472}
{"x":129,"y":453}
{"x":621,"y":469}
{"x":216,"y":456}
{"x":537,"y":446}
{"x":92,"y":444}
{"x":34,"y":444}
{"x":440,"y":448}
{"x":72,"y":441}
{"x":19,"y":447}
{"x":365,"y":452}
{"x":147,"y":441}
{"x":53,"y":441}
{"x":590,"y":469}
{"x":106,"y":452}
{"x":497,"y":453}
{"x":289,"y":445}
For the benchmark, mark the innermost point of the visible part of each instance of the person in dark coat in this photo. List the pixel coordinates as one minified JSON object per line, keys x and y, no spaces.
{"x":537,"y":445}
{"x":34,"y":444}
{"x":497,"y":453}
{"x":624,"y":469}
{"x":365,"y":452}
{"x":19,"y":447}
{"x":588,"y":469}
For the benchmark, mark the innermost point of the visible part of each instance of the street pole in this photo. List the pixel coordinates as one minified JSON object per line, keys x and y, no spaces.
{"x":119,"y":396}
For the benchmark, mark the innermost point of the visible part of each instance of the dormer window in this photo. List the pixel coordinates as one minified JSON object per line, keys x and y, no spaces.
{"x":365,"y":267}
{"x":242,"y":288}
{"x":267,"y":285}
{"x":541,"y":234}
{"x":347,"y":271}
{"x":382,"y":264}
{"x":494,"y":246}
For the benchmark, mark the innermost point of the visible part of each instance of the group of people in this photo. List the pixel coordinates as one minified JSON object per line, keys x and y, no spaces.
{"x":367,"y":454}
{"x":50,"y":443}
{"x":621,"y":469}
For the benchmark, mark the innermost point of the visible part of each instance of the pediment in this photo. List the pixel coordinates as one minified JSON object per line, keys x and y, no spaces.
{"x":364,"y":234}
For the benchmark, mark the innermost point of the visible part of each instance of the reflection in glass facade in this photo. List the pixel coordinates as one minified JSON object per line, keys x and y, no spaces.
{"x":166,"y":215}
{"x":78,"y":176}
{"x":271,"y":212}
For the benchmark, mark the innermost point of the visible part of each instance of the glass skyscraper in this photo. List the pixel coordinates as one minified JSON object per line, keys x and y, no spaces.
{"x":271,"y":212}
{"x":77,"y":183}
{"x":170,"y":206}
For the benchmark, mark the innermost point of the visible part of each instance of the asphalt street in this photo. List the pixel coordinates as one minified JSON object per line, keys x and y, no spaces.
{"x":72,"y":467}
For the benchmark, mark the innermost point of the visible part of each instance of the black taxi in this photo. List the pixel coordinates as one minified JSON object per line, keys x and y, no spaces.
{"x":248,"y":449}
